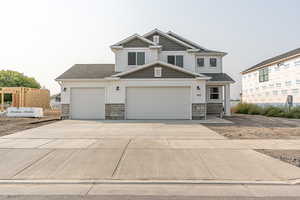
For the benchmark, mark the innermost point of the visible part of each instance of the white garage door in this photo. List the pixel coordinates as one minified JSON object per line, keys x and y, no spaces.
{"x":87,"y":103}
{"x":158,"y":103}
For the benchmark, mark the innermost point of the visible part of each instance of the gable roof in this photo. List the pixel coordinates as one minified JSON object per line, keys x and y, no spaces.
{"x":88,"y":71}
{"x":169,"y":37}
{"x":163,"y":64}
{"x":201,"y":48}
{"x":273,"y":60}
{"x":133,"y":37}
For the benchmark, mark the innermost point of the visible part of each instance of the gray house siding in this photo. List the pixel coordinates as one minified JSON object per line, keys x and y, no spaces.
{"x":166,"y":73}
{"x":136,"y":43}
{"x":167,"y":44}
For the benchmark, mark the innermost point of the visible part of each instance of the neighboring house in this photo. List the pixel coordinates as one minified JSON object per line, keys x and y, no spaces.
{"x":155,"y":76}
{"x":271,"y":81}
{"x":55,"y":101}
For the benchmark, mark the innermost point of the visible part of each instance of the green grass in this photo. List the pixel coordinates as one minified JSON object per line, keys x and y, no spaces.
{"x":270,"y":111}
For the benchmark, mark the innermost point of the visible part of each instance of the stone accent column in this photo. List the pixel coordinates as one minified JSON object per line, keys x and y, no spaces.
{"x":198,"y":111}
{"x":115,"y":111}
{"x":65,"y":111}
{"x":227,"y":100}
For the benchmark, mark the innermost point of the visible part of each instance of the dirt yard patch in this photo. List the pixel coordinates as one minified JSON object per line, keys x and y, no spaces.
{"x":258,"y":127}
{"x":261,"y":127}
{"x":289,"y":156}
{"x":12,"y":125}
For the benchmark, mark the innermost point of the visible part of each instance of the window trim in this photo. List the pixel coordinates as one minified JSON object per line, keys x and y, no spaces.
{"x":136,"y":58}
{"x":175,"y":60}
{"x":263,"y":75}
{"x":210,"y":64}
{"x":203,"y":61}
{"x":219,"y":93}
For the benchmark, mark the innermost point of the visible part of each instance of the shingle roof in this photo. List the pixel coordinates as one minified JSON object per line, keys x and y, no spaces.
{"x":201,"y":49}
{"x":88,"y":71}
{"x":274,"y":59}
{"x":218,"y":77}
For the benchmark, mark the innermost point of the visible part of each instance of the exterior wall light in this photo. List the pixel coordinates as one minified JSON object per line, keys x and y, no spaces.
{"x":117,"y":88}
{"x":64,"y":89}
{"x":198,"y":87}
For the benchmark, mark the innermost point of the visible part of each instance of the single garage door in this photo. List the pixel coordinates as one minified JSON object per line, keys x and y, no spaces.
{"x":158,"y":103}
{"x":87,"y":103}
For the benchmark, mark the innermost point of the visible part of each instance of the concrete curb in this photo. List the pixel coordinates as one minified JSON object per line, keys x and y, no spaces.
{"x":229,"y":182}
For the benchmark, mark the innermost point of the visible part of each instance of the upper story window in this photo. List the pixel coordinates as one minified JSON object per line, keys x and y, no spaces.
{"x":297,"y":63}
{"x":264,"y":75}
{"x":288,"y":83}
{"x":176,"y":60}
{"x":200,"y":62}
{"x":213,"y":62}
{"x":298,"y":81}
{"x":136,"y":58}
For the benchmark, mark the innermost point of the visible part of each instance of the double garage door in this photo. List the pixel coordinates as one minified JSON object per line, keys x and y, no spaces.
{"x":141,"y":103}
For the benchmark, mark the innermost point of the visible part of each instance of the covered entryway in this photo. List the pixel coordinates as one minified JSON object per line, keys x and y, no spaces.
{"x":87,"y":103}
{"x":158,"y":103}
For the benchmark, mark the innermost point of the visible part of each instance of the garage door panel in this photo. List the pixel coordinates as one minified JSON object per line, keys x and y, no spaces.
{"x":87,"y":103}
{"x":158,"y":103}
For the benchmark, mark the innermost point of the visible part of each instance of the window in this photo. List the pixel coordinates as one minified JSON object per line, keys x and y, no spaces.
{"x":295,"y":90}
{"x":140,"y":58}
{"x":200,"y":62}
{"x":297,"y":82}
{"x":213,"y":62}
{"x":214,"y":93}
{"x":263,"y":75}
{"x":131,"y":58}
{"x":283,"y":91}
{"x":297,"y":63}
{"x":286,"y":66}
{"x":176,"y":60}
{"x":288,"y":83}
{"x":157,"y":71}
{"x":278,"y":85}
{"x":271,"y":85}
{"x":275,"y":92}
{"x":136,"y":58}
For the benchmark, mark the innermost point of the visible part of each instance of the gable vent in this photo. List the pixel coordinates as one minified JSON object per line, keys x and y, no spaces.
{"x":156,"y":39}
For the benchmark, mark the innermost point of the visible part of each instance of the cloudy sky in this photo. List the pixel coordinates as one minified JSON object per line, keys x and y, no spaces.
{"x":43,"y":38}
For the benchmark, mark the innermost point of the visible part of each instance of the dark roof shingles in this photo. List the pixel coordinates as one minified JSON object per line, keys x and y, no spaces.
{"x":88,"y":71}
{"x":218,"y":77}
{"x":274,"y":59}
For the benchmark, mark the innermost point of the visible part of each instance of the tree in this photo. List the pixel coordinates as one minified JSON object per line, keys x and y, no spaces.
{"x":9,"y":78}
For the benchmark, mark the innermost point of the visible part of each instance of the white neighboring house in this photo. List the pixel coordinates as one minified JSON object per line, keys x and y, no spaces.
{"x":157,"y":75}
{"x":271,"y":81}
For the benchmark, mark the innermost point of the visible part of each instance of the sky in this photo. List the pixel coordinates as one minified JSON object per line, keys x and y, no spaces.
{"x":43,"y":38}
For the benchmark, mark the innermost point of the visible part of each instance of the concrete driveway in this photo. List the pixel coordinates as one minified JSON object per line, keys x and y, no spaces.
{"x":137,"y":151}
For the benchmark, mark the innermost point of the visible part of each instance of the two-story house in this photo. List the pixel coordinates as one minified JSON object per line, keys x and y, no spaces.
{"x":271,"y":81}
{"x":155,"y":76}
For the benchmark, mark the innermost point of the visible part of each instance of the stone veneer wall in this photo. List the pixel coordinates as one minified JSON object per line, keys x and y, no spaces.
{"x":214,"y":108}
{"x":198,"y":111}
{"x":115,"y":111}
{"x":65,"y":111}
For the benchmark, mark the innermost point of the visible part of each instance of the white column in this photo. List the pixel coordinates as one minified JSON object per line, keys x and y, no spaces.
{"x":227,"y":100}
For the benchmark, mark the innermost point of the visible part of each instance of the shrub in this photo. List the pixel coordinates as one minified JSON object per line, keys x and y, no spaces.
{"x":272,"y":111}
{"x":242,"y":108}
{"x":254,"y":109}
